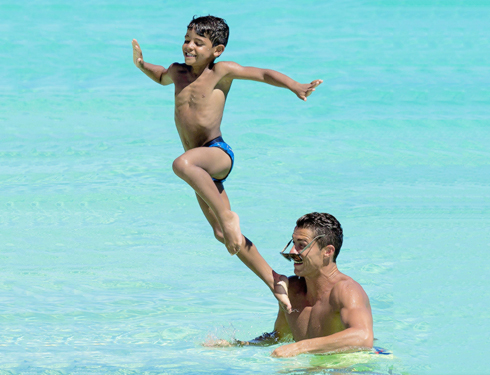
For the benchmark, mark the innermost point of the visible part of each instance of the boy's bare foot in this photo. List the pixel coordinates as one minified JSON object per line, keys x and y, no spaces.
{"x":232,"y":234}
{"x":137,"y":55}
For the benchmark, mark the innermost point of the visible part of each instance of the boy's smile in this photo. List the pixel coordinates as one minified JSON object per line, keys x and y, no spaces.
{"x":198,"y":49}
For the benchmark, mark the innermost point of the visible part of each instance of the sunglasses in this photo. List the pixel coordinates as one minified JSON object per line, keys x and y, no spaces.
{"x":298,"y":257}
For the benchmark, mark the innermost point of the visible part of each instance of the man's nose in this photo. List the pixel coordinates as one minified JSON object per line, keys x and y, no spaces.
{"x":293,"y":250}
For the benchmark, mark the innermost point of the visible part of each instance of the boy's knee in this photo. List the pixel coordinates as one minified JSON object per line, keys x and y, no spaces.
{"x":179,"y":166}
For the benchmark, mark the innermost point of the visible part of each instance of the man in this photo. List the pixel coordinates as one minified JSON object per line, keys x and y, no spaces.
{"x":329,"y":311}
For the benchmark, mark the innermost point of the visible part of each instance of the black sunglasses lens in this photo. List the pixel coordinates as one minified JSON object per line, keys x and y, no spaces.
{"x":290,"y":257}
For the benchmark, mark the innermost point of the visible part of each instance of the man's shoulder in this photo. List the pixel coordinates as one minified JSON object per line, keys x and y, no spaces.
{"x":346,"y":283}
{"x":347,"y":288}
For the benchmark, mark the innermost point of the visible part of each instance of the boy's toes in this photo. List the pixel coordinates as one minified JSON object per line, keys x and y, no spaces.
{"x":234,"y":249}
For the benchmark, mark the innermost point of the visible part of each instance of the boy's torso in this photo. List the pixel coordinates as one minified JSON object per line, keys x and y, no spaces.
{"x":199,"y":104}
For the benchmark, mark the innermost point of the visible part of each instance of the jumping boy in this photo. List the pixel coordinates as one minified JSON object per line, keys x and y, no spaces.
{"x":201,"y":88}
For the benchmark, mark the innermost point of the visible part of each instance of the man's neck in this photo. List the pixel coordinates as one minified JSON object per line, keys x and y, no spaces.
{"x":321,"y":284}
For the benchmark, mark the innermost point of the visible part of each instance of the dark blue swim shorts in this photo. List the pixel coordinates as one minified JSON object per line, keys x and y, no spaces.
{"x":220,"y":143}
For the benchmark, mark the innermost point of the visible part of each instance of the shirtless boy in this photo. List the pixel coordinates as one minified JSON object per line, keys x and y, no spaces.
{"x":201,"y":88}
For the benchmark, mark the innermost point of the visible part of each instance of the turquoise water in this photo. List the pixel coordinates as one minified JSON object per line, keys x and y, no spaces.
{"x":107,"y":264}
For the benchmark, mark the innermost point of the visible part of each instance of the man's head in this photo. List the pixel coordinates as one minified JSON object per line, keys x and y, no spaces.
{"x":326,"y":225}
{"x":213,"y":28}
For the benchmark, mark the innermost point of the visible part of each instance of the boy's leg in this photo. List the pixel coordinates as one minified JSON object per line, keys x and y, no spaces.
{"x":209,"y":214}
{"x":250,"y":256}
{"x":197,"y":167}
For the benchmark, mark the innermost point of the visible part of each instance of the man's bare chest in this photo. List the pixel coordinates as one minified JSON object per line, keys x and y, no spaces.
{"x":314,"y":321}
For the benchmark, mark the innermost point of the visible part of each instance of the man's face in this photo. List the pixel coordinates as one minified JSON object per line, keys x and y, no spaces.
{"x":197,"y":49}
{"x":312,"y":257}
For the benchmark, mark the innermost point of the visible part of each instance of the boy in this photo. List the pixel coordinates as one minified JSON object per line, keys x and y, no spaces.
{"x":201,"y":88}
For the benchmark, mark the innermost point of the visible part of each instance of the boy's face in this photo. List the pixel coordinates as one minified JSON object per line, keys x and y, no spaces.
{"x":199,"y":49}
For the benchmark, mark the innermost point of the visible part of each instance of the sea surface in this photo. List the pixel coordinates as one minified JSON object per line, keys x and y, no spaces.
{"x":107,"y":265}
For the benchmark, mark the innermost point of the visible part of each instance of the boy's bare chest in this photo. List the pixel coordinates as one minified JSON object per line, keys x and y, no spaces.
{"x":318,"y":320}
{"x":202,"y":91}
{"x":192,"y":93}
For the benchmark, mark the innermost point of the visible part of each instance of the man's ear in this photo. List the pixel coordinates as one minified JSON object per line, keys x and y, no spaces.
{"x":329,"y":251}
{"x":218,"y":50}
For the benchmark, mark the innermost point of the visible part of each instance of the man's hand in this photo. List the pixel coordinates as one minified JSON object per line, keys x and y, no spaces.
{"x":305,"y":90}
{"x":289,"y":350}
{"x":137,"y":55}
{"x":220,"y":343}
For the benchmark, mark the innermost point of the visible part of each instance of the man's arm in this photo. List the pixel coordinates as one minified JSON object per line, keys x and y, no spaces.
{"x":156,"y":72}
{"x":302,"y":91}
{"x":355,"y":313}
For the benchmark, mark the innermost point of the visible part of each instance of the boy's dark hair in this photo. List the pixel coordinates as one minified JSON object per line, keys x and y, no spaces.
{"x":322,"y":223}
{"x":211,"y":27}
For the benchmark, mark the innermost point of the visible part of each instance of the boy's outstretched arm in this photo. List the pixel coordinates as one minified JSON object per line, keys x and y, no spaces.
{"x":302,"y":90}
{"x":156,"y":72}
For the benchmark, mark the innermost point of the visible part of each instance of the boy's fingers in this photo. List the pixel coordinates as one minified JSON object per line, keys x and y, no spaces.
{"x":136,"y":46}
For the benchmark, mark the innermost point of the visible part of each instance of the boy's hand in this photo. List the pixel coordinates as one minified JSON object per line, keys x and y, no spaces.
{"x":305,"y":90}
{"x":137,"y":55}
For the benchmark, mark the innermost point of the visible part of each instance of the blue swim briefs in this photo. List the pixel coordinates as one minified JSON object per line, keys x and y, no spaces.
{"x":220,"y":143}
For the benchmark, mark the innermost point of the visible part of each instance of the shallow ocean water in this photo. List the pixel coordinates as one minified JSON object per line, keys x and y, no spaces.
{"x":109,"y":267}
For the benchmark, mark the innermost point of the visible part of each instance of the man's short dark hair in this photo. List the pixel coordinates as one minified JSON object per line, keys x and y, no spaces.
{"x":211,"y":27}
{"x":322,"y":223}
